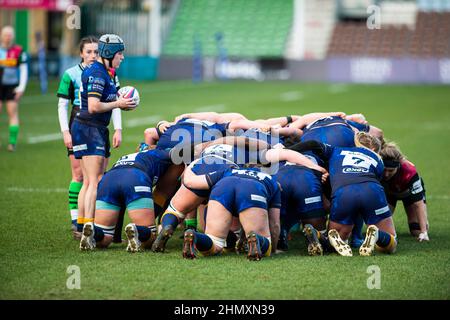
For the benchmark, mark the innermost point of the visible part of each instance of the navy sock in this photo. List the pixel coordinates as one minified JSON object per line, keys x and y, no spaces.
{"x":144,"y":233}
{"x":98,"y":234}
{"x":264,"y":243}
{"x":384,"y":239}
{"x":169,"y":219}
{"x":231,"y":239}
{"x":203,"y":243}
{"x":74,"y":223}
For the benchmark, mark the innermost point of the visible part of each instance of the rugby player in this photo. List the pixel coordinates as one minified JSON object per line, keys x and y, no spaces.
{"x":355,"y":175}
{"x":401,"y":181}
{"x":90,"y":135}
{"x":13,"y":80}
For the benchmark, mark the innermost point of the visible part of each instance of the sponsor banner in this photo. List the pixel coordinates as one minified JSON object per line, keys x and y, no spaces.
{"x":388,"y":70}
{"x":60,"y":5}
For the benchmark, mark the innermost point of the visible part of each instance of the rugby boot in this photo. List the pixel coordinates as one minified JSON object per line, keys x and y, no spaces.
{"x":368,"y":245}
{"x":241,"y":244}
{"x":254,"y":248}
{"x":134,"y":245}
{"x":283,"y":241}
{"x":87,"y":241}
{"x":338,"y":244}
{"x":11,"y":147}
{"x":189,"y":244}
{"x":160,"y":243}
{"x":314,"y":246}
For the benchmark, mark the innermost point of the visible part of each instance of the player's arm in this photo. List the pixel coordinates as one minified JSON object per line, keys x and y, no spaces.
{"x":277,"y":155}
{"x":281,"y":121}
{"x":116,"y":118}
{"x":151,"y":136}
{"x":23,"y":71}
{"x":64,"y":95}
{"x":309,"y":118}
{"x":288,"y":132}
{"x":240,"y":142}
{"x":206,"y":116}
{"x":247,"y":124}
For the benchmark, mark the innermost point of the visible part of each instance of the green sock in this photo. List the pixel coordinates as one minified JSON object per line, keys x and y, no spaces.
{"x":191,"y":223}
{"x":74,"y":190}
{"x":13,"y":133}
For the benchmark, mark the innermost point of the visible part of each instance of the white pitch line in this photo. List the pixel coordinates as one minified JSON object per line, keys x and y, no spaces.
{"x":213,"y":107}
{"x":338,"y":88}
{"x":291,"y":96}
{"x":45,"y":138}
{"x":131,"y":123}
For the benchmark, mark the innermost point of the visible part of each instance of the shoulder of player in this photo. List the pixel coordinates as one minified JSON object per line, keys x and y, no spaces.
{"x":407,"y":169}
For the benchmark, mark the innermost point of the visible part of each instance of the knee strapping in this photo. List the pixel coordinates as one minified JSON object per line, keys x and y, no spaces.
{"x":218,"y":242}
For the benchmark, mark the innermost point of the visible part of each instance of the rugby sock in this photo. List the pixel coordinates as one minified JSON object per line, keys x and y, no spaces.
{"x":386,"y":242}
{"x":74,"y":190}
{"x":169,"y":219}
{"x":98,"y":233}
{"x":144,"y":232}
{"x":80,"y":224}
{"x":13,"y":133}
{"x":323,"y":239}
{"x":264,"y":244}
{"x":357,"y":237}
{"x":203,"y":243}
{"x":191,"y":223}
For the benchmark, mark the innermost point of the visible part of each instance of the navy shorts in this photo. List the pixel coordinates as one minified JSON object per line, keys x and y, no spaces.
{"x":7,"y":92}
{"x":120,"y":187}
{"x":366,"y":199}
{"x":237,"y":194}
{"x":89,"y":140}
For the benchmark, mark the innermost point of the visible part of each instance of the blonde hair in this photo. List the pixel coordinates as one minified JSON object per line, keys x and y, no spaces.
{"x":391,"y":151}
{"x":363,"y":139}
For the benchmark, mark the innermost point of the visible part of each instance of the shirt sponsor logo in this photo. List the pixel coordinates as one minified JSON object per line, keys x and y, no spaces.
{"x":255,"y":197}
{"x":142,"y":189}
{"x":355,"y":170}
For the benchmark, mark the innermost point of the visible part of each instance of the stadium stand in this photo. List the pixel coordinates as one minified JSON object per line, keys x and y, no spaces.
{"x":248,"y":27}
{"x":430,"y":37}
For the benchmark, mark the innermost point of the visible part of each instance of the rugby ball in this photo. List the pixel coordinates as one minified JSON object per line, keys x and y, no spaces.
{"x":130,"y":92}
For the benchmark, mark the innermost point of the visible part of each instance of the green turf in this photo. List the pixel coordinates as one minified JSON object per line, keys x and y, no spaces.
{"x":37,"y":247}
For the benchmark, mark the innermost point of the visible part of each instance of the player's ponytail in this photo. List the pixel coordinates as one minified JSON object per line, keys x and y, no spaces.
{"x":363,"y":139}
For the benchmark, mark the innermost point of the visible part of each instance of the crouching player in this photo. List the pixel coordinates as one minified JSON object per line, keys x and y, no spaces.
{"x":249,"y":194}
{"x":402,"y":182}
{"x":128,"y":184}
{"x":356,"y":190}
{"x":301,"y":199}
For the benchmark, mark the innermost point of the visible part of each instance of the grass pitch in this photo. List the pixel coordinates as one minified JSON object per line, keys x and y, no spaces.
{"x":37,"y":247}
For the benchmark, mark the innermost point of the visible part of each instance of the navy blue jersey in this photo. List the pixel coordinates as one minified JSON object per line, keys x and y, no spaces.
{"x":224,"y":153}
{"x":352,"y":165}
{"x":96,"y":82}
{"x":191,"y":131}
{"x":153,"y":162}
{"x":334,"y":131}
{"x":255,"y":174}
{"x":271,"y":139}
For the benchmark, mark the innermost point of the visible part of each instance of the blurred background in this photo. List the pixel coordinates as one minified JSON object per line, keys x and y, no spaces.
{"x":360,"y":41}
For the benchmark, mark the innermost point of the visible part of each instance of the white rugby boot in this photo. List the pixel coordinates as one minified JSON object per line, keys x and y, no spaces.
{"x":338,"y":244}
{"x":87,"y":241}
{"x":368,"y":246}
{"x":134,"y":245}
